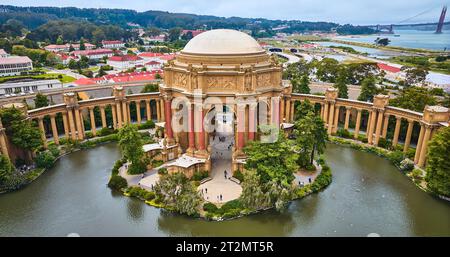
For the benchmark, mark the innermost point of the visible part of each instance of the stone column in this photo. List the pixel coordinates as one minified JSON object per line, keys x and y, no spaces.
{"x":73,"y":130}
{"x":378,"y":128}
{"x":42,"y":130}
{"x":149,"y":111}
{"x":385,"y":126}
{"x":78,"y":123}
{"x":93,"y":126}
{"x":103,"y":115}
{"x":124,"y":110}
{"x":199,"y":116}
{"x":129,"y":112}
{"x":331,"y":119}
{"x":419,"y":143}
{"x":138,"y":111}
{"x":240,"y":127}
{"x":54,"y":129}
{"x":398,"y":121}
{"x":281,"y":116}
{"x":168,"y":118}
{"x":347,"y":117}
{"x":82,"y":123}
{"x":252,"y":121}
{"x":336,"y":119}
{"x":158,"y":111}
{"x":424,"y":147}
{"x":191,"y":133}
{"x":161,"y":104}
{"x":358,"y":123}
{"x":325,"y":114}
{"x":114,"y":119}
{"x":65,"y":125}
{"x":372,"y":127}
{"x":287,"y":111}
{"x":119,"y":115}
{"x":408,"y":135}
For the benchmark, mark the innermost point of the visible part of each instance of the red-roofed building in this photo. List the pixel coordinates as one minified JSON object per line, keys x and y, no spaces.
{"x":94,"y":54}
{"x":194,"y":32}
{"x":65,"y":59}
{"x":113,"y":44}
{"x":153,"y":65}
{"x":388,"y":68}
{"x":149,"y":56}
{"x":137,"y":76}
{"x":124,"y":62}
{"x":167,"y":57}
{"x":160,"y":38}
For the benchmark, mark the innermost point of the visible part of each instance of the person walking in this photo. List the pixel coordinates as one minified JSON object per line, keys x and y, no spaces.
{"x":206,"y":190}
{"x":221,"y":197}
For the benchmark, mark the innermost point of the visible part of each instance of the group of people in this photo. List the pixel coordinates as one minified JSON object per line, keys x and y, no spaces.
{"x":205,"y":192}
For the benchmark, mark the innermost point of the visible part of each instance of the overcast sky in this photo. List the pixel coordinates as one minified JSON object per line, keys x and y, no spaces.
{"x":341,"y":11}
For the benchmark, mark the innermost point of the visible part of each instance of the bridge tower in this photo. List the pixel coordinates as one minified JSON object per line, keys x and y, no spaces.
{"x":441,"y":20}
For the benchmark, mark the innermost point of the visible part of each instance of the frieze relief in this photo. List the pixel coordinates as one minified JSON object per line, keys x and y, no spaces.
{"x":264,"y":80}
{"x":223,"y":82}
{"x":180,"y":80}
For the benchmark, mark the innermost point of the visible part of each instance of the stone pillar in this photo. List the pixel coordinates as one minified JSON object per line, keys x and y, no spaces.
{"x":65,"y":125}
{"x":385,"y":126}
{"x":42,"y":130}
{"x":322,"y":107}
{"x":292,"y":112}
{"x":124,"y":110}
{"x":168,"y":118}
{"x":161,"y":105}
{"x":199,"y":116}
{"x":336,"y":119}
{"x":398,"y":122}
{"x":358,"y":123}
{"x":347,"y":117}
{"x":371,"y":127}
{"x":82,"y":123}
{"x":78,"y":123}
{"x":331,"y":119}
{"x":54,"y":129}
{"x":408,"y":135}
{"x":138,"y":111}
{"x":129,"y":112}
{"x":378,"y":128}
{"x":252,"y":121}
{"x":73,"y":130}
{"x":158,"y":111}
{"x":287,"y":111}
{"x":93,"y":126}
{"x":240,"y":127}
{"x":191,"y":133}
{"x":424,"y":147}
{"x":325,"y":114}
{"x":419,"y":143}
{"x":119,"y":115}
{"x":103,"y":115}
{"x":149,"y":111}
{"x":282,"y":110}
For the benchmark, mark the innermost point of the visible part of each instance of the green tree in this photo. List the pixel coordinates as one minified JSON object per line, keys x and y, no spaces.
{"x":272,"y":161}
{"x":415,"y":76}
{"x":252,"y":197}
{"x":327,"y":69}
{"x":82,"y":46}
{"x":174,"y":34}
{"x":413,"y":98}
{"x":178,"y":193}
{"x":60,"y":40}
{"x":302,"y":85}
{"x":341,"y":84}
{"x":71,"y":49}
{"x":6,"y":169}
{"x":101,"y":72}
{"x":148,"y":88}
{"x":40,"y":100}
{"x":130,"y":141}
{"x":368,"y":89}
{"x":438,"y":164}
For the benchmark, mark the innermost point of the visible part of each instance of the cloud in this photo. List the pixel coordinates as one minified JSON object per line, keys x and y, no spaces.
{"x":341,"y":11}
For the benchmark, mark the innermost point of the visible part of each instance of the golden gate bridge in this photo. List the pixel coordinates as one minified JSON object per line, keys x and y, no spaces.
{"x":389,"y":28}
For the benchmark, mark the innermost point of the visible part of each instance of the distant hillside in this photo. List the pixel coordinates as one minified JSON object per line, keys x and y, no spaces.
{"x":33,"y":17}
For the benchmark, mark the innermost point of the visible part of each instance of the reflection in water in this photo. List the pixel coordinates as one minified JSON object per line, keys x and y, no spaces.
{"x":367,"y":195}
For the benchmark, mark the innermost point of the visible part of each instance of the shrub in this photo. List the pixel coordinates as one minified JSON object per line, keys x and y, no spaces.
{"x":406,"y":165}
{"x":117,"y":182}
{"x":232,"y":205}
{"x":44,"y":160}
{"x":410,"y":153}
{"x":416,"y":174}
{"x":117,"y":165}
{"x":323,"y":179}
{"x":54,"y":150}
{"x":321,"y":160}
{"x":149,"y":195}
{"x":384,"y":143}
{"x":162,"y":171}
{"x":210,"y":207}
{"x":200,"y":175}
{"x":137,"y":168}
{"x":88,"y":134}
{"x":149,"y":124}
{"x":344,"y":133}
{"x":238,"y":174}
{"x":104,"y":132}
{"x":363,"y":138}
{"x":157,"y":163}
{"x":396,"y":157}
{"x":231,"y":214}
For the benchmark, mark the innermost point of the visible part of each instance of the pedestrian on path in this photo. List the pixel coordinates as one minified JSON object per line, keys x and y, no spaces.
{"x":220,"y":197}
{"x":206,"y":190}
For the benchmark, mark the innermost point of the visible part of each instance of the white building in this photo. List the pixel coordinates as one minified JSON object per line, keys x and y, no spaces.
{"x":153,"y":65}
{"x":66,"y":47}
{"x":28,"y":87}
{"x":3,"y":53}
{"x":94,"y":54}
{"x":14,"y":65}
{"x":113,"y":44}
{"x":124,"y":62}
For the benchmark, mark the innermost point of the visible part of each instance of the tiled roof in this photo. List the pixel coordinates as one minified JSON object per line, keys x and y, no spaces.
{"x":124,"y":58}
{"x":14,"y":60}
{"x":389,"y":68}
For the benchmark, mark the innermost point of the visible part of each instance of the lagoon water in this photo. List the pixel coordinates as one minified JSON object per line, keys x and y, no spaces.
{"x":410,"y":39}
{"x":367,"y":195}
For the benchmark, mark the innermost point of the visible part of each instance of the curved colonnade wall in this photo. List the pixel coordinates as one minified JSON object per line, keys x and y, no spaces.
{"x":333,"y":111}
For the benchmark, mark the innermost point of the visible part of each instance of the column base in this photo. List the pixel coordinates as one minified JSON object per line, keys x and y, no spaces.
{"x":190,"y":151}
{"x":201,"y":154}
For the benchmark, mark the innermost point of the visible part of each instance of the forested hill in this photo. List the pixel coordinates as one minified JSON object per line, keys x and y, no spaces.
{"x":33,"y":17}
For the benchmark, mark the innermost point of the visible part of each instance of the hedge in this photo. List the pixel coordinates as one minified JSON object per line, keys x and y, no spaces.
{"x":117,"y":182}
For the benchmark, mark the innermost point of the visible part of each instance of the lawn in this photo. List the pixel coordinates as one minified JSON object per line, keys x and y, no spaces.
{"x":64,"y":78}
